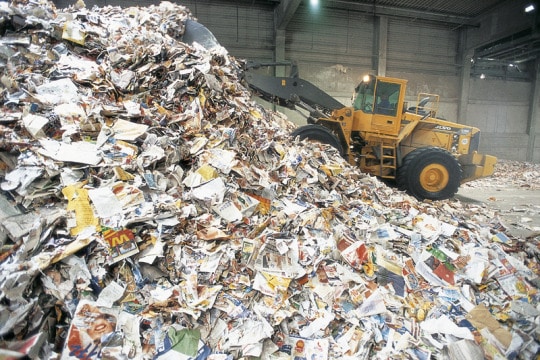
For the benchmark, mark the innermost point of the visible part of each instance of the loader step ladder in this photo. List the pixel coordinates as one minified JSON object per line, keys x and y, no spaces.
{"x":388,"y":161}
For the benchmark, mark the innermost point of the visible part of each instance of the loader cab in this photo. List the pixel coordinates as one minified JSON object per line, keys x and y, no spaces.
{"x":381,"y":99}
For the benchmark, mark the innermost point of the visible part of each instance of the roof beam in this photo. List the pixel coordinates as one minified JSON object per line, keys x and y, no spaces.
{"x":516,"y":47}
{"x":284,"y":13}
{"x":391,"y":11}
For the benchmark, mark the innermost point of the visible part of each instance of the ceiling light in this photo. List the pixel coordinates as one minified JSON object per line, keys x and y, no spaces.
{"x":314,"y":3}
{"x":482,"y":76}
{"x":529,"y":8}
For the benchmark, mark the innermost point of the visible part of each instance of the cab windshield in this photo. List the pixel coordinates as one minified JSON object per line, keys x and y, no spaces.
{"x":363,"y":96}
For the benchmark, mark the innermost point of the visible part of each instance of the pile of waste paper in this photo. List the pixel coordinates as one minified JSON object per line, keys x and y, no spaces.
{"x":520,"y":174}
{"x":151,"y":210}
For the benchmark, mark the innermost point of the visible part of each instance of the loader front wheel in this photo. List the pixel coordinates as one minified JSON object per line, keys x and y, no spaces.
{"x":320,"y":134}
{"x":429,"y":173}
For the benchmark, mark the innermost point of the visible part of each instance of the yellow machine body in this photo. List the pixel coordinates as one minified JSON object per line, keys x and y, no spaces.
{"x":390,"y":136}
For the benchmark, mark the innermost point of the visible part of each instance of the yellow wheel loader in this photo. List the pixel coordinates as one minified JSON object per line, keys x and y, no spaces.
{"x":426,"y":156}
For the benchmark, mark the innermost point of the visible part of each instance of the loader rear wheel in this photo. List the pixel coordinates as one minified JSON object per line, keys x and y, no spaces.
{"x":429,"y":173}
{"x":320,"y":134}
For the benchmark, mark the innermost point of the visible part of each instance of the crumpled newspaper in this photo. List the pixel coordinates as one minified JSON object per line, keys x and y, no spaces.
{"x":151,"y":210}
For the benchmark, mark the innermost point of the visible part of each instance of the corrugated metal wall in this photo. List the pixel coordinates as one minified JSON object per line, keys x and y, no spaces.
{"x":421,"y":48}
{"x":245,"y":29}
{"x":330,"y":36}
{"x":333,"y":48}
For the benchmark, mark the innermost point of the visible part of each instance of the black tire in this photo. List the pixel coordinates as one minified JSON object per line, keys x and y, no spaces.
{"x":429,"y":173}
{"x":318,"y":133}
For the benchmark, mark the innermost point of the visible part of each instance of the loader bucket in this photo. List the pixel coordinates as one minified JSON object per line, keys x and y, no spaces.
{"x":198,"y":33}
{"x":476,"y":166}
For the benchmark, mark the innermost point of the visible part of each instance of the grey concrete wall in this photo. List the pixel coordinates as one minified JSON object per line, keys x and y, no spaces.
{"x":447,"y":87}
{"x":500,"y":109}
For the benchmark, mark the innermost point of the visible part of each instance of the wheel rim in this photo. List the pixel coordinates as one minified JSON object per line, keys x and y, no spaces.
{"x":434,"y":177}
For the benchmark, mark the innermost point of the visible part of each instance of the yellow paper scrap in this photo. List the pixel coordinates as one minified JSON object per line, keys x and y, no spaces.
{"x":482,"y":318}
{"x":255,"y":113}
{"x":161,"y":110}
{"x":331,"y":170}
{"x":73,"y":32}
{"x":79,"y":202}
{"x":122,"y":174}
{"x":202,"y":98}
{"x":207,"y":172}
{"x":277,"y":283}
{"x":72,"y":248}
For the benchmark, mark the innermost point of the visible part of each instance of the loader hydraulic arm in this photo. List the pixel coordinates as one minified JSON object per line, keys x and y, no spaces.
{"x":291,"y":92}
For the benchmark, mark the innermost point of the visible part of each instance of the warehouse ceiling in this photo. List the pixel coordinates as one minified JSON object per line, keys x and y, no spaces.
{"x":459,"y":12}
{"x":458,"y":8}
{"x":518,"y":47}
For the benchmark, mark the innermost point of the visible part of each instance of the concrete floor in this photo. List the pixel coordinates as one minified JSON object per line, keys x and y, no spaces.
{"x":518,"y":207}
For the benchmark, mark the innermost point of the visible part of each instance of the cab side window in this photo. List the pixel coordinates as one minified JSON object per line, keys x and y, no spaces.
{"x":364,"y":97}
